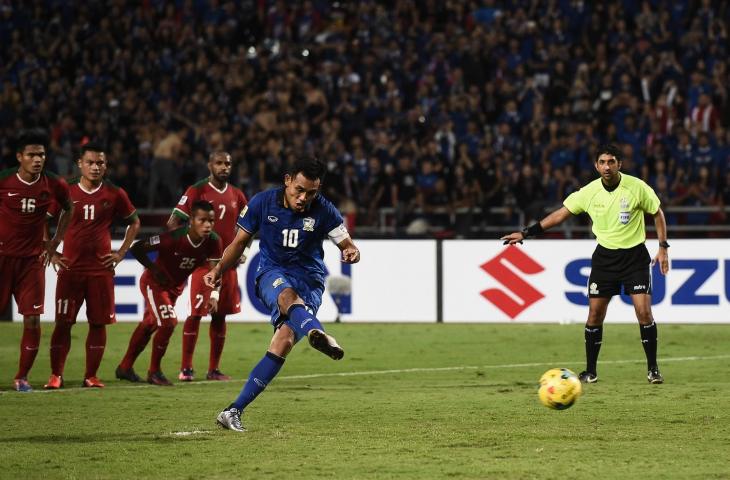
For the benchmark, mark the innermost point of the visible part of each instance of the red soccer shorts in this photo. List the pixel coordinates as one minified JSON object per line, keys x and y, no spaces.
{"x":25,"y":279}
{"x":230,"y":298}
{"x":74,"y":288}
{"x":159,"y":304}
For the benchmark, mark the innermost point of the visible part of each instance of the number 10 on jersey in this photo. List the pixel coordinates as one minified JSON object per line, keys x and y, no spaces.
{"x":291,"y":237}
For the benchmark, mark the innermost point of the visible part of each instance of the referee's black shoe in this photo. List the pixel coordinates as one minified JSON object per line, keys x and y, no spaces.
{"x":588,"y":377}
{"x":654,"y":376}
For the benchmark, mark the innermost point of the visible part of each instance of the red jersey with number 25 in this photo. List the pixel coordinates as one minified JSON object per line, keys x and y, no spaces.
{"x":227,"y":203}
{"x":23,"y":208}
{"x":178,"y":256}
{"x":88,"y":238}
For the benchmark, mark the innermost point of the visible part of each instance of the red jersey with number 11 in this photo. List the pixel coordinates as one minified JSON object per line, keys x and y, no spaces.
{"x":88,"y":238}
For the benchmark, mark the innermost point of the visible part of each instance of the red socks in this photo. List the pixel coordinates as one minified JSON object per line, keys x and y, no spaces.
{"x":190,"y":337}
{"x":60,"y":345}
{"x":95,"y":345}
{"x":138,"y":342}
{"x":28,"y":350}
{"x":217,"y":335}
{"x":159,"y":346}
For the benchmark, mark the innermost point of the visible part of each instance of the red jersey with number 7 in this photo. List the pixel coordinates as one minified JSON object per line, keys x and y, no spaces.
{"x":178,"y":256}
{"x":227,"y":203}
{"x":23,"y":208}
{"x":88,"y":237}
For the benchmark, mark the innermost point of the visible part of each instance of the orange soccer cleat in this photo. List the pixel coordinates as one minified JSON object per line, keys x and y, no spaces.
{"x":92,"y":382}
{"x":54,"y":382}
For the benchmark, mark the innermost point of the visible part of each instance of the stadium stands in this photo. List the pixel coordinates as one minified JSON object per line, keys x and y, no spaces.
{"x":465,"y":116}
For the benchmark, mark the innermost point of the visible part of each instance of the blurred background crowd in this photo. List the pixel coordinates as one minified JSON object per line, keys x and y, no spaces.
{"x":448,"y":116}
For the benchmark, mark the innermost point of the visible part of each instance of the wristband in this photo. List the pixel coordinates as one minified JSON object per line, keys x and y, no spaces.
{"x":664,"y":244}
{"x":533,"y":230}
{"x":215,"y":295}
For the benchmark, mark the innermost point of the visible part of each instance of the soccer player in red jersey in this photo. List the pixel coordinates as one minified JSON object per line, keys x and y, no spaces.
{"x":228,"y":201}
{"x":86,"y":266}
{"x":180,"y":252}
{"x":26,"y":193}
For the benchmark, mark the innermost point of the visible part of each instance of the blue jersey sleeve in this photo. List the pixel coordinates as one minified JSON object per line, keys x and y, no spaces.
{"x":250,"y":217}
{"x":332,"y":217}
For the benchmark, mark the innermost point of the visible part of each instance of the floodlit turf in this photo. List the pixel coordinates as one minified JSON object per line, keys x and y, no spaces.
{"x":413,"y":401}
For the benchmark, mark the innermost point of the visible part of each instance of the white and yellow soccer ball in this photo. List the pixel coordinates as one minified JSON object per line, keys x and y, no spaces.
{"x":559,"y":388}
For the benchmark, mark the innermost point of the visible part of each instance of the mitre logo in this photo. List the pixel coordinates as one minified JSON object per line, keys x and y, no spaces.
{"x":521,"y":294}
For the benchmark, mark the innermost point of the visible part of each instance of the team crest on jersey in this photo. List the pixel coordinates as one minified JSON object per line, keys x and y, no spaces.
{"x":308,"y":224}
{"x":272,"y":219}
{"x":44,"y":195}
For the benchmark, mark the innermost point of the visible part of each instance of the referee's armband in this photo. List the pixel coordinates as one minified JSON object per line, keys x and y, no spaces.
{"x":339,"y":234}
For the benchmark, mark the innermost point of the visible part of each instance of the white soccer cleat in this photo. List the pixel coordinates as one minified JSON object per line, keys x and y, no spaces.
{"x":230,"y":418}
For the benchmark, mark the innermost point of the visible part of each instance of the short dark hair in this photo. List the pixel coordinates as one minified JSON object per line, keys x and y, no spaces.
{"x":203,"y":205}
{"x":217,"y":153}
{"x":92,"y":147}
{"x":311,"y":167}
{"x":34,"y":136}
{"x":610,"y":149}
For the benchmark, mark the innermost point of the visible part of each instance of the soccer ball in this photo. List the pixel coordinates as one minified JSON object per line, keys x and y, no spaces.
{"x":559,"y":388}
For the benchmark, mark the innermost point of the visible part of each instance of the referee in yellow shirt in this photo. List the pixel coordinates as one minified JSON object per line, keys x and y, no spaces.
{"x":616,"y":203}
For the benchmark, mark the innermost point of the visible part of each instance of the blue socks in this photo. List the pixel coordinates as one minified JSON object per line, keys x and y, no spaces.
{"x":301,"y":321}
{"x":261,"y":375}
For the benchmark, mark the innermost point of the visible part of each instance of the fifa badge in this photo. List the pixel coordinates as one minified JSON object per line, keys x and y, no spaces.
{"x":624,"y":214}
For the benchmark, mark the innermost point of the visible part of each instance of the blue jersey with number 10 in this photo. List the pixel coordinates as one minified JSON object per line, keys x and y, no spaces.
{"x":287,"y":239}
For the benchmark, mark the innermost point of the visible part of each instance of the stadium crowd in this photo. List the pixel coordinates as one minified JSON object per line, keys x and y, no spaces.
{"x":418,"y":107}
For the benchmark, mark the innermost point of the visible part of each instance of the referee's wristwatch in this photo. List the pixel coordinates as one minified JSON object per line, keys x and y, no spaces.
{"x":664,"y":244}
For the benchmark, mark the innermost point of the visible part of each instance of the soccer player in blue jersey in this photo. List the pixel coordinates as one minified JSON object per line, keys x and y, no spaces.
{"x":292,"y":222}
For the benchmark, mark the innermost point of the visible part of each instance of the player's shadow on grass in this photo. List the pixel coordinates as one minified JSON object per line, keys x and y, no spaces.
{"x":101,"y":437}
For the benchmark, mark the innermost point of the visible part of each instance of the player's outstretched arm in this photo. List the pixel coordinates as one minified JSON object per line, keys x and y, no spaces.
{"x":662,"y":255}
{"x":350,"y":253}
{"x":555,"y":218}
{"x":231,"y":255}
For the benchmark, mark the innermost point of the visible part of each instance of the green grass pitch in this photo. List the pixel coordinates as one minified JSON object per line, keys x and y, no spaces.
{"x":406,"y":402}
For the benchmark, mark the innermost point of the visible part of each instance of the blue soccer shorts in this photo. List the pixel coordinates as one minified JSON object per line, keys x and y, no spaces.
{"x":271,"y":283}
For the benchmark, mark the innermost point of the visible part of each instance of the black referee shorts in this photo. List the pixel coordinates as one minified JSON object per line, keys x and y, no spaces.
{"x":610,"y":269}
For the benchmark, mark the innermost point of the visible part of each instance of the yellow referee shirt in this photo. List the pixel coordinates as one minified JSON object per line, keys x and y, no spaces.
{"x":618,"y":216}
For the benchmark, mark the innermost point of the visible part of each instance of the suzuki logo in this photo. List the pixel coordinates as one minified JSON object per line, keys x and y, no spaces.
{"x":517,"y":287}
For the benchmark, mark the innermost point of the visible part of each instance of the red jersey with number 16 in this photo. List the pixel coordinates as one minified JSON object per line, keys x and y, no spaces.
{"x":227,"y":203}
{"x":23,"y":208}
{"x":178,"y":256}
{"x":88,"y":238}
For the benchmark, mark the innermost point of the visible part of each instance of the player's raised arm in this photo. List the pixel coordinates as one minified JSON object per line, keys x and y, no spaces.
{"x":555,"y":218}
{"x":231,"y":256}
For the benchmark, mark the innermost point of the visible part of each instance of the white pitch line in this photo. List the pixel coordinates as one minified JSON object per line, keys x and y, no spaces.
{"x":508,"y":365}
{"x":193,"y":432}
{"x":399,"y":371}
